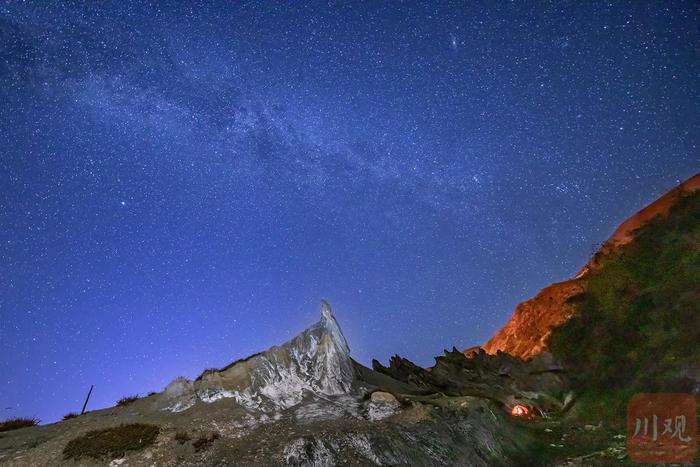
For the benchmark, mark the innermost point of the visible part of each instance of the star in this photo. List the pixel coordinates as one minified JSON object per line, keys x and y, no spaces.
{"x":419,"y":161}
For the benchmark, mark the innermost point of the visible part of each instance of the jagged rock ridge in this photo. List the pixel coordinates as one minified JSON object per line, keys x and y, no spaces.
{"x":500,"y":378}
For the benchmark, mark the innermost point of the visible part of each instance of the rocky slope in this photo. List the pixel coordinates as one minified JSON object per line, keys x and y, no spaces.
{"x":526,"y":333}
{"x":528,"y":330}
{"x":307,"y":403}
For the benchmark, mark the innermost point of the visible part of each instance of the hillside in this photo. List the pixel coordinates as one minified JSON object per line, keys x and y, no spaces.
{"x":527,"y":332}
{"x":308,"y":403}
{"x":637,"y":326}
{"x":630,"y":322}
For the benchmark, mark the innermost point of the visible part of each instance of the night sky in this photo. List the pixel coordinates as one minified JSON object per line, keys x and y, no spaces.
{"x":181,"y":185}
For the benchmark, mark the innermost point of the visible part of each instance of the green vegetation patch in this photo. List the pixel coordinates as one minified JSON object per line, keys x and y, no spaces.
{"x":15,"y":423}
{"x":564,"y":442}
{"x":111,"y":442}
{"x":637,"y":327}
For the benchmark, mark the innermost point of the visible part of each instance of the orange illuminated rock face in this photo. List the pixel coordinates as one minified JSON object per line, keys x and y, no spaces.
{"x":526,"y":333}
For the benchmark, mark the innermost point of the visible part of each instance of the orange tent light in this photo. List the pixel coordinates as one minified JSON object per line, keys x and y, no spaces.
{"x":520,"y":411}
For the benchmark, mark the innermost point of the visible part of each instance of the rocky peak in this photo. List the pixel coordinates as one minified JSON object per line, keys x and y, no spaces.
{"x":330,"y":329}
{"x":316,"y":362}
{"x":326,"y":310}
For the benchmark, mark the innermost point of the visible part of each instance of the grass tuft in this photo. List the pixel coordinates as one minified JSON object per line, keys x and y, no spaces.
{"x":111,"y":442}
{"x":70,"y":415}
{"x":127,"y":400}
{"x":182,"y":437}
{"x":19,"y":422}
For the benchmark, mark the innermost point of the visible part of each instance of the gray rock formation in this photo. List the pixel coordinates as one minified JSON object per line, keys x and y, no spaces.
{"x":315,"y":363}
{"x":382,"y":405}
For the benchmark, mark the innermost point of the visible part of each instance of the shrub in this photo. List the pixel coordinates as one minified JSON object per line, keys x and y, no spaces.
{"x":111,"y":442}
{"x":15,"y":423}
{"x":70,"y":415}
{"x":204,"y":441}
{"x":182,"y":437}
{"x":127,"y":400}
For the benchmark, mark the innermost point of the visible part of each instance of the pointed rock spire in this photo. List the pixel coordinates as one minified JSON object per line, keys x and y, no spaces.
{"x":326,"y":310}
{"x":316,"y":362}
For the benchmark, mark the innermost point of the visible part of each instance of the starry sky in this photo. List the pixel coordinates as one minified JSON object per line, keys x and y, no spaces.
{"x":181,"y":184}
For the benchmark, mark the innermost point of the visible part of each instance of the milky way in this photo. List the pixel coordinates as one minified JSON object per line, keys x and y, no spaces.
{"x":181,"y":185}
